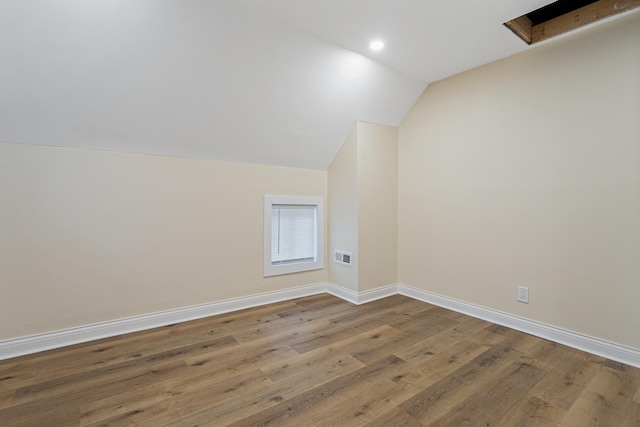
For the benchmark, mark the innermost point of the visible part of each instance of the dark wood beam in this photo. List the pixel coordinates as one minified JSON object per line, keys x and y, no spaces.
{"x":522,"y":27}
{"x":580,"y":17}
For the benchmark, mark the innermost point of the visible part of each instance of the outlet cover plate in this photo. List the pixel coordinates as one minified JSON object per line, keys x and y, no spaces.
{"x":523,"y":294}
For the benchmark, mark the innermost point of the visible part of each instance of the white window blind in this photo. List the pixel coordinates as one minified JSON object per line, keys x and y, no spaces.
{"x":293,"y":234}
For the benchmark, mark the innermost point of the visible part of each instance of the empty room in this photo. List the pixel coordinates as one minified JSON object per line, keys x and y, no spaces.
{"x":315,"y":213}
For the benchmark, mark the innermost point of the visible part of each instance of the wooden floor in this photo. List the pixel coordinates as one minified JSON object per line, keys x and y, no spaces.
{"x":321,"y":361}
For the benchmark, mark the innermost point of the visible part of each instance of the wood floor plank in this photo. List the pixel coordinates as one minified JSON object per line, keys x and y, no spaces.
{"x":321,"y":363}
{"x":459,"y":372}
{"x":58,"y":411}
{"x":633,"y":415}
{"x":326,"y":308}
{"x":210,"y":395}
{"x":282,"y":413}
{"x":246,"y":358}
{"x":434,"y":368}
{"x":605,"y":401}
{"x":489,"y":405}
{"x":340,"y":331}
{"x":567,"y":377}
{"x":102,"y":353}
{"x":146,"y":394}
{"x":124,"y":380}
{"x":320,"y":360}
{"x":371,"y":345}
{"x":6,"y":398}
{"x":350,"y":406}
{"x":395,"y":417}
{"x":120,"y":373}
{"x":254,"y":332}
{"x":440,"y":340}
{"x":14,"y":378}
{"x":263,"y":401}
{"x":533,"y":412}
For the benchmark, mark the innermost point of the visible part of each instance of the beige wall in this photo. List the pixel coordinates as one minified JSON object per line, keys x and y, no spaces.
{"x":377,"y":205}
{"x":90,"y":236}
{"x":342,"y":180}
{"x":526,"y":172}
{"x":363,"y":197}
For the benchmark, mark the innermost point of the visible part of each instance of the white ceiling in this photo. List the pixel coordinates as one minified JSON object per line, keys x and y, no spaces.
{"x":264,"y":81}
{"x":426,"y":39}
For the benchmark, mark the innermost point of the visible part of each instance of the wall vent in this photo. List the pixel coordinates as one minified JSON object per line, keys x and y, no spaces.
{"x":342,"y":257}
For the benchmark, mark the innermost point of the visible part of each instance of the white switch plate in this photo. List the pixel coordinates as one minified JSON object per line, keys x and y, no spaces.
{"x":523,"y":294}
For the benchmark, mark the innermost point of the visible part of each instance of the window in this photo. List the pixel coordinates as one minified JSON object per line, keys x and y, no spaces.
{"x":293,"y":234}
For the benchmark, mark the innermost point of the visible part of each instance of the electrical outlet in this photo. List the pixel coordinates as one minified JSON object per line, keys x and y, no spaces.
{"x":523,"y":294}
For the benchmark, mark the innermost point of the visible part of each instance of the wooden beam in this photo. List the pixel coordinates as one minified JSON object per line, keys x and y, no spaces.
{"x":522,"y":27}
{"x":580,"y":17}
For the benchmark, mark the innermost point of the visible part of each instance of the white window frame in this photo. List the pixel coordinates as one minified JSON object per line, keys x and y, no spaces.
{"x":274,"y":270}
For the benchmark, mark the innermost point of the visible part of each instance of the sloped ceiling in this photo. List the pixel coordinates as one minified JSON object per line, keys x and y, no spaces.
{"x":264,"y":81}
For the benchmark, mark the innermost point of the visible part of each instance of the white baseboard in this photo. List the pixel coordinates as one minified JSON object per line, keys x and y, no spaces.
{"x":591,"y":345}
{"x":344,"y":293}
{"x":47,"y":341}
{"x":50,"y":340}
{"x":361,"y":297}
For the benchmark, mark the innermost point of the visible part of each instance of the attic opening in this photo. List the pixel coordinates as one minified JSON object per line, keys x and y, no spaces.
{"x":563,"y":16}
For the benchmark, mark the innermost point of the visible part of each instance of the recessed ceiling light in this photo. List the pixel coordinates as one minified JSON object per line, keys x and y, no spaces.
{"x":376,"y":45}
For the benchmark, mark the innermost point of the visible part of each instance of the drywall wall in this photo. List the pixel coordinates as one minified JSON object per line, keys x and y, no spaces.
{"x":377,"y":205}
{"x":526,"y":171}
{"x":342,"y":183}
{"x":90,"y":236}
{"x":363,"y":196}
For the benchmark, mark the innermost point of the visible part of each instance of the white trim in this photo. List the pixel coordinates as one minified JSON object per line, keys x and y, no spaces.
{"x":36,"y":343}
{"x":50,"y":340}
{"x":586,"y":343}
{"x":361,"y":297}
{"x":376,"y":294}
{"x":318,"y":264}
{"x":344,"y":293}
